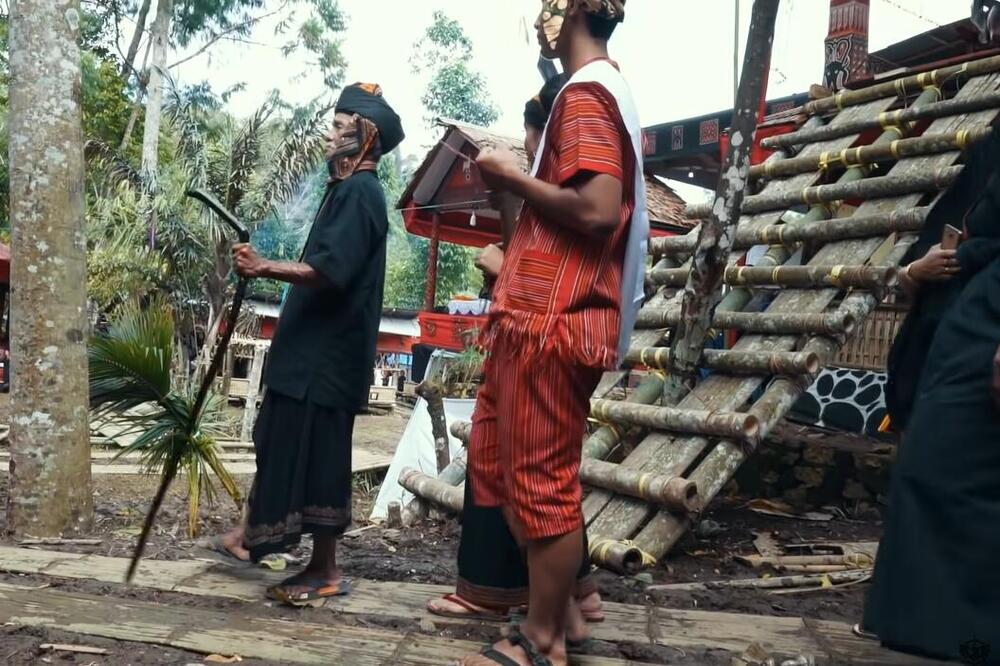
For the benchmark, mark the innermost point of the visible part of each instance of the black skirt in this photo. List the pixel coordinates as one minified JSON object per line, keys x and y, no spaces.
{"x":303,"y":480}
{"x":492,"y":571}
{"x":936,"y":589}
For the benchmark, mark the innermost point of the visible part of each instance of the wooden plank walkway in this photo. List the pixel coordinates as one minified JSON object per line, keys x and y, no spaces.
{"x":684,"y":629}
{"x":238,"y":464}
{"x":234,"y":633}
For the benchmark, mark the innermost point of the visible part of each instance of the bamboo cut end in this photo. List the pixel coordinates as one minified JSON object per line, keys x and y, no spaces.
{"x":751,"y":429}
{"x":812,"y":363}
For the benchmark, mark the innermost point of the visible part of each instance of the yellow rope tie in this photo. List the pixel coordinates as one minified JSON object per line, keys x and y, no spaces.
{"x":806,"y":195}
{"x":824,"y":161}
{"x":839,"y":101}
{"x":900,"y":87}
{"x":781,"y":234}
{"x":769,"y":169}
{"x":835,"y":274}
{"x":775,"y":272}
{"x":897,"y":129}
{"x":937,"y":91}
{"x":740,"y":278}
{"x":661,"y":374}
{"x":643,"y":484}
{"x":962,"y":139}
{"x":613,"y":427}
{"x":894,"y":148}
{"x":922,"y":79}
{"x":642,"y":357}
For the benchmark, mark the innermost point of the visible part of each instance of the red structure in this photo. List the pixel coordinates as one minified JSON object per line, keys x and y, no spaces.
{"x":847,"y":43}
{"x":446,"y":201}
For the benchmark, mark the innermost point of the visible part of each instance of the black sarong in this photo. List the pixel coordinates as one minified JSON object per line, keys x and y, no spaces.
{"x":936,"y":589}
{"x":492,"y":571}
{"x":303,"y":481}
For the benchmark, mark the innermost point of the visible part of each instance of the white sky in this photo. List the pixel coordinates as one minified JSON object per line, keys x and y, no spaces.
{"x":676,"y":54}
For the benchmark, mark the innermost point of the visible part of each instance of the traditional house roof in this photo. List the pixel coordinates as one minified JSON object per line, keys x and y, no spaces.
{"x":445,"y":184}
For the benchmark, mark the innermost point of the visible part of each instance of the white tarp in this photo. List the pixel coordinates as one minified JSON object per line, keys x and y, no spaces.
{"x":416,"y":450}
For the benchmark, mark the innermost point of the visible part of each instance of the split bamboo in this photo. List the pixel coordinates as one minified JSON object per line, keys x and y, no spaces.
{"x":731,"y":425}
{"x":763,"y":323}
{"x":777,"y":255}
{"x":902,"y":87}
{"x":735,"y":362}
{"x":864,"y":156}
{"x":900,"y":118}
{"x":673,"y":493}
{"x":882,"y":187}
{"x":854,"y":277}
{"x":431,"y":490}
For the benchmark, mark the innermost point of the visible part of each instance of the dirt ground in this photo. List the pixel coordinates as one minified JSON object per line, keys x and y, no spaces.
{"x":426,"y":554}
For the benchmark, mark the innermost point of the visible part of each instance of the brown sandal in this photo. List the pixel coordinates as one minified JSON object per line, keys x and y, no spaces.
{"x":474,"y":612}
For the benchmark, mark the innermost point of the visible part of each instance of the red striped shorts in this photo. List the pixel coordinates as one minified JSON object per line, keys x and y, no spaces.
{"x":527,"y":434}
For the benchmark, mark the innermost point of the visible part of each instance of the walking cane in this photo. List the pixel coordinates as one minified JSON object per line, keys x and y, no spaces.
{"x":243,"y":235}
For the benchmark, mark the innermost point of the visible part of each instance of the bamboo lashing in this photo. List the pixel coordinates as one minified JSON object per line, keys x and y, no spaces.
{"x":674,"y":493}
{"x":855,"y":277}
{"x":816,"y":231}
{"x":732,"y":425}
{"x":902,"y":117}
{"x":432,"y":490}
{"x":902,"y":87}
{"x":622,"y":556}
{"x":735,"y":362}
{"x":920,"y":146}
{"x":882,"y":187}
{"x":763,"y":323}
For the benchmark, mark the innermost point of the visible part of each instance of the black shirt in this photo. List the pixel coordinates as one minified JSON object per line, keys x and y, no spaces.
{"x":324,"y":346}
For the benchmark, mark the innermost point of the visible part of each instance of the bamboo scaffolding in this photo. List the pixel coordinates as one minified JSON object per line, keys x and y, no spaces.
{"x":735,"y":362}
{"x":902,"y":87}
{"x":674,"y":493}
{"x":900,"y":118}
{"x":817,"y":231}
{"x":865,"y":156}
{"x":431,"y":490}
{"x":855,"y":277}
{"x":881,"y":187}
{"x":764,"y":323}
{"x":733,"y":425}
{"x":602,"y":442}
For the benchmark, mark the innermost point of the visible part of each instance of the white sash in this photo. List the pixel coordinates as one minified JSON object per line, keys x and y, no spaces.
{"x":634,"y":269}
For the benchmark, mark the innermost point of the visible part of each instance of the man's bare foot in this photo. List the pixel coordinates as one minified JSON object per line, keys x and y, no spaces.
{"x":555,"y":651}
{"x":232,"y":541}
{"x":576,"y":623}
{"x":592,"y":607}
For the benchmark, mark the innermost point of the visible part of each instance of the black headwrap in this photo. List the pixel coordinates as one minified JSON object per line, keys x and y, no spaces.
{"x":365,"y":100}
{"x":538,"y":108}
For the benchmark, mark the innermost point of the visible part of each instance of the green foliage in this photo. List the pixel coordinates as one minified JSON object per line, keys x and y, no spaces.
{"x":130,"y":378}
{"x":104,"y":99}
{"x":192,"y":17}
{"x":457,"y":92}
{"x":321,"y":34}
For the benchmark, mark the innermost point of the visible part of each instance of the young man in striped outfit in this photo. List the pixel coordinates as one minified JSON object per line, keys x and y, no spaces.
{"x":563,"y":308}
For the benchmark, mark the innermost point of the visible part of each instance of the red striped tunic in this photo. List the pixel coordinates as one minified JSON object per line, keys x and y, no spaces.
{"x":559,"y":291}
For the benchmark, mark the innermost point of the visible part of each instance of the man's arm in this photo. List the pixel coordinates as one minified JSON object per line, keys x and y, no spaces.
{"x":590,"y":203}
{"x":251,"y":265}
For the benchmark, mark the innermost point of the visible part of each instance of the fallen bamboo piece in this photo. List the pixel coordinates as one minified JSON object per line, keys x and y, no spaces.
{"x":431,"y":490}
{"x":838,"y":229}
{"x":864,"y":156}
{"x":735,"y":362}
{"x":619,"y":555}
{"x":774,"y":583}
{"x":730,"y":425}
{"x":900,"y":118}
{"x":846,"y":277}
{"x":462,"y":431}
{"x":55,"y":541}
{"x":902,"y":87}
{"x":881,"y":187}
{"x":674,"y":493}
{"x":763,"y":323}
{"x":853,"y":560}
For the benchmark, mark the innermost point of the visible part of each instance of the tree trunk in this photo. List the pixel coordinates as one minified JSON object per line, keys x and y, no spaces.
{"x":50,"y":446}
{"x":703,"y":291}
{"x":154,"y":105}
{"x":133,"y":47}
{"x":439,"y":423}
{"x":253,"y":390}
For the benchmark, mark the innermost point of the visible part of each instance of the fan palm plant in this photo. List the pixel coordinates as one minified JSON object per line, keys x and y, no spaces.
{"x":130,"y":367}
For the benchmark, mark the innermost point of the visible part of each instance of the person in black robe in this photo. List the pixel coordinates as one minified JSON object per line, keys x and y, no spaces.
{"x":319,"y":366}
{"x":936,"y":581}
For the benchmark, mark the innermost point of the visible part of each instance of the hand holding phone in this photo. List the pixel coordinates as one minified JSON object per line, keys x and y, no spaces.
{"x":951,"y":238}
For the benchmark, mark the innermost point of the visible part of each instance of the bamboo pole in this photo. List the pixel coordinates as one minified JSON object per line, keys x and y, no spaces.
{"x":619,"y":555}
{"x":902,"y":87}
{"x":674,"y":493}
{"x":431,"y":490}
{"x":763,"y":323}
{"x":703,"y":290}
{"x":855,"y":277}
{"x":732,"y":425}
{"x":603,"y":441}
{"x":866,"y":156}
{"x":788,"y":234}
{"x":881,"y":187}
{"x":900,"y":118}
{"x":735,"y":362}
{"x":775,"y":583}
{"x":777,"y":255}
{"x":462,"y":431}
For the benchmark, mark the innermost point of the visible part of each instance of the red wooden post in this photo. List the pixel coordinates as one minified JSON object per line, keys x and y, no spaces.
{"x":430,"y":291}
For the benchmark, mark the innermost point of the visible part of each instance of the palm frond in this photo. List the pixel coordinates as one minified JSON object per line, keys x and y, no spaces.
{"x":245,"y":156}
{"x":114,"y":164}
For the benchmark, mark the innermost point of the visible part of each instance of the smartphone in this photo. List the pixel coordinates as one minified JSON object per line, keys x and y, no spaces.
{"x":951,"y":238}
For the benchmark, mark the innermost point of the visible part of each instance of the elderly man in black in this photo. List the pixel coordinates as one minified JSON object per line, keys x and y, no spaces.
{"x":319,"y":368}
